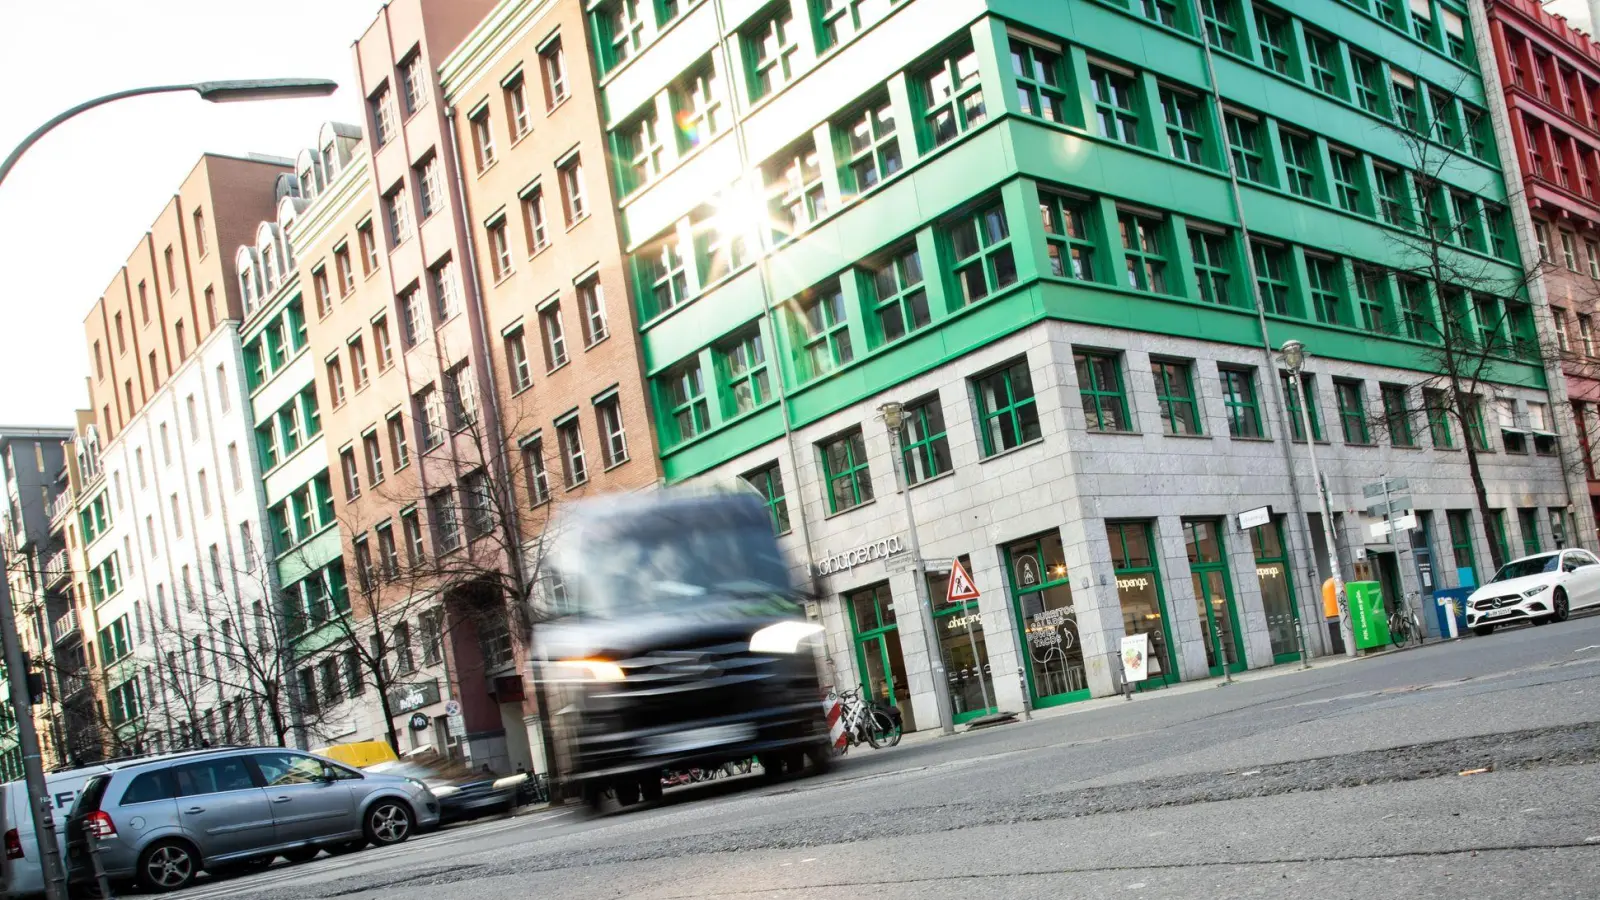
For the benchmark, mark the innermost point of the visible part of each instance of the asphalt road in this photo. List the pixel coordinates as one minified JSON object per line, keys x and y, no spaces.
{"x":1343,"y":781}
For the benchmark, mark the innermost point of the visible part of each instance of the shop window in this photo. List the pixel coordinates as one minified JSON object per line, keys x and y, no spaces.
{"x":1277,"y":590}
{"x":959,"y":626}
{"x":1037,"y":569}
{"x":925,"y":447}
{"x":1144,"y":610}
{"x":1105,"y":403}
{"x":1007,"y":414}
{"x":1174,"y":379}
{"x":844,"y":470}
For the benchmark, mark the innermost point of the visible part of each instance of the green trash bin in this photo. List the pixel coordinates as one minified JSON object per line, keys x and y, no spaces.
{"x":1368,"y":618}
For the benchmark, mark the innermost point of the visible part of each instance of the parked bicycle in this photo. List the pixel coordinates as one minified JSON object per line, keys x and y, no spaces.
{"x":1403,"y":625}
{"x":872,"y":722}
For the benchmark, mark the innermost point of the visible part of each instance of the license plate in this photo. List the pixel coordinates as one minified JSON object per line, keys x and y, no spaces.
{"x":1498,"y":612}
{"x":697,"y":738}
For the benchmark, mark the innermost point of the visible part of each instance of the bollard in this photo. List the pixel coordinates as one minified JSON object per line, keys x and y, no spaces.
{"x":1027,"y":707}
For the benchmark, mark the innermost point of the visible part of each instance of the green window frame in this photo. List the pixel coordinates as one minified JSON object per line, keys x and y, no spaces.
{"x":1146,"y":261}
{"x":1446,"y":118}
{"x":1369,"y":286}
{"x":822,"y":326}
{"x":834,"y":21}
{"x":1211,"y":270}
{"x":769,"y":49}
{"x":1067,"y":226}
{"x":1477,"y":432}
{"x":1352,"y":411}
{"x":845,"y":471}
{"x":1528,"y":524}
{"x":1322,"y":282}
{"x":1368,"y":78}
{"x":952,"y":97}
{"x":1497,"y":227}
{"x":1162,"y":12}
{"x":295,"y":315}
{"x":1394,"y":207}
{"x":1116,"y":104}
{"x":925,"y":447}
{"x":1397,"y":415}
{"x":1184,"y":115}
{"x":683,"y":399}
{"x":747,"y":384}
{"x":1174,"y":379}
{"x":1239,"y":398}
{"x":1008,"y":417}
{"x":1475,"y":124}
{"x":768,"y":480}
{"x":869,"y":146}
{"x":1272,"y":276}
{"x":1041,"y":84}
{"x":619,"y":30}
{"x":1460,"y":521}
{"x":1105,"y":403}
{"x":1486,"y":312}
{"x":1299,"y":172}
{"x":1420,"y":322}
{"x":980,"y":249}
{"x":1347,"y":191}
{"x":900,"y":298}
{"x":1322,"y":63}
{"x":1244,"y":142}
{"x":1469,"y":229}
{"x":1292,"y":400}
{"x":1437,"y":405}
{"x":1407,"y":103}
{"x":1220,"y":20}
{"x":1273,"y":40}
{"x":663,"y":273}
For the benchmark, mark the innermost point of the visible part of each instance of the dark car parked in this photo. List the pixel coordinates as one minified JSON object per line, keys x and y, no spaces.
{"x":463,"y":793}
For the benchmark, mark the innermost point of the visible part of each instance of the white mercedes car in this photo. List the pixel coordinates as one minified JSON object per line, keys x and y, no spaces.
{"x":1540,"y":588}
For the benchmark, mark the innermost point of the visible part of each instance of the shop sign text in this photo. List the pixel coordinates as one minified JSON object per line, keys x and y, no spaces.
{"x":844,"y":562}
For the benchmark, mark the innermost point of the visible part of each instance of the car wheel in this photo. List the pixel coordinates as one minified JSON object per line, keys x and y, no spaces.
{"x":627,"y":793}
{"x":346,"y":847}
{"x":821,"y":757}
{"x":771,"y":766}
{"x":594,"y":796}
{"x":301,"y":854}
{"x":1560,"y":608}
{"x":388,"y":822}
{"x":650,"y":787}
{"x":167,"y":866}
{"x":1483,"y":630}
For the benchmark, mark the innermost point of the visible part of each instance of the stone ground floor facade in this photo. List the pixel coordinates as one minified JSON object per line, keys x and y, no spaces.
{"x":1075,"y":538}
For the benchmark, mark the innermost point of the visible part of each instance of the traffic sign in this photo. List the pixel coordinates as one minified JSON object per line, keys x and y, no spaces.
{"x":1396,"y":503}
{"x":1388,"y":485}
{"x":1250,"y":518}
{"x":1406,"y":522}
{"x":961,"y":587}
{"x":452,"y":708}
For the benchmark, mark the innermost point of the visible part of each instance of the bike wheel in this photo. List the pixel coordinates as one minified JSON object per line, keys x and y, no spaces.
{"x":881,"y":730}
{"x":1397,"y":631}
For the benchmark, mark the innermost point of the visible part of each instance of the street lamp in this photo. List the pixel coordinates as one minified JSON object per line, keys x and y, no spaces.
{"x":894,"y":418}
{"x":1294,"y":359}
{"x":44,"y":828}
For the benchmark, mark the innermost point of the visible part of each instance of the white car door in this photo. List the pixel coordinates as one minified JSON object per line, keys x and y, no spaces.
{"x":1587,"y":578}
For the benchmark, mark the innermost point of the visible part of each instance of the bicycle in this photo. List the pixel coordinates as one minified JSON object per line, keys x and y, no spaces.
{"x":876,"y":724}
{"x":1403,"y":625}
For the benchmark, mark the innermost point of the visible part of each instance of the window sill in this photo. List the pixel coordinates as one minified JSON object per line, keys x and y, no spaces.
{"x":576,"y":222}
{"x":503,"y":277}
{"x":621,"y":462}
{"x":558,"y":367}
{"x":519,"y":138}
{"x":1191,"y":437}
{"x":1447,"y":449}
{"x":484,"y":168}
{"x":539,"y":249}
{"x":926,"y":481}
{"x":1406,"y":446}
{"x":1007,"y":452}
{"x":576,"y":484}
{"x":522,"y":390}
{"x":842,"y":512}
{"x":1108,"y":431}
{"x":1254,"y":440}
{"x":561,"y":101}
{"x":596,"y":342}
{"x":1359,"y":444}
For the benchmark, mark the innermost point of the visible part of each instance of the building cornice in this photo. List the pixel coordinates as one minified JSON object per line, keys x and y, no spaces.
{"x":501,"y":28}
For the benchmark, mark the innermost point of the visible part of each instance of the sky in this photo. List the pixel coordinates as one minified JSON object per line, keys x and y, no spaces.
{"x":75,"y":206}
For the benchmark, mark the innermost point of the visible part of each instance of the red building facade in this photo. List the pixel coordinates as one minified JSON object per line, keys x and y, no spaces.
{"x":1551,"y":76}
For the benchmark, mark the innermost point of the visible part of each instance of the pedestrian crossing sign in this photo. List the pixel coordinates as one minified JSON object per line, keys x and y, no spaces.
{"x":961,"y":587}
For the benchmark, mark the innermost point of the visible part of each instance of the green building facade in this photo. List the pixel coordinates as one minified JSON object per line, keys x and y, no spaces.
{"x":1061,"y":235}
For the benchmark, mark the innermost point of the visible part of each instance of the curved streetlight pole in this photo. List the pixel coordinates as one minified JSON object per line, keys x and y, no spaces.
{"x":44,"y":828}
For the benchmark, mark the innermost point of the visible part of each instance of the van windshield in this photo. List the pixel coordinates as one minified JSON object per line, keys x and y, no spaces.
{"x":1522,"y":568}
{"x":669,"y":564}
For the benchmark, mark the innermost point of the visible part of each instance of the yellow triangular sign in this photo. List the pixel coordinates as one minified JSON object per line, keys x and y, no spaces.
{"x":961,"y":587}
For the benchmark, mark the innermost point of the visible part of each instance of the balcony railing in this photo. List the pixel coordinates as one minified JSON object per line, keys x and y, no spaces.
{"x":73,"y":685}
{"x":64,"y":626}
{"x":57,"y":567}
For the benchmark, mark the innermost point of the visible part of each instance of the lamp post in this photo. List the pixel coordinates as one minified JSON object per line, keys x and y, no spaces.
{"x":44,"y":828}
{"x":1294,"y":359}
{"x":894,"y":417}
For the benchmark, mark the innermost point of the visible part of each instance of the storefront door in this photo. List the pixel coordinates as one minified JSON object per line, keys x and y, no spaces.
{"x":966,"y":656}
{"x":1144,"y":609}
{"x":883,"y":668}
{"x":1037,"y":570}
{"x":1213,"y":595}
{"x":1277,"y":590}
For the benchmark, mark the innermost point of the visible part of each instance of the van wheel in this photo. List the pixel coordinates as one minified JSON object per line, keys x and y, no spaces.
{"x":167,"y":865}
{"x":388,"y":822}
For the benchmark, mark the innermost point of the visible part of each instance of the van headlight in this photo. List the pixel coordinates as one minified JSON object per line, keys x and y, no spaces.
{"x":1536,"y":590}
{"x":783,"y":637}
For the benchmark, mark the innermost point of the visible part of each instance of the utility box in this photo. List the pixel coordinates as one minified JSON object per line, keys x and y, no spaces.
{"x":1368,"y":619}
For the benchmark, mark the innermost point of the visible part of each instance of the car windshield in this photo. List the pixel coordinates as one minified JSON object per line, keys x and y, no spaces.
{"x":1522,"y":568}
{"x":673,"y":562}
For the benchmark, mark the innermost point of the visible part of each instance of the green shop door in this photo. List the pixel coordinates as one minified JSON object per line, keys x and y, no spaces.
{"x":883,"y":667}
{"x":1213,"y":595}
{"x":1037,"y":569}
{"x":1277,"y":590}
{"x":1143,"y":606}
